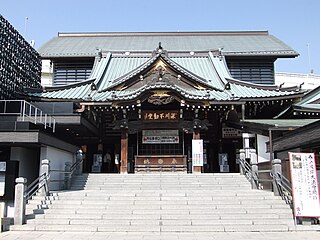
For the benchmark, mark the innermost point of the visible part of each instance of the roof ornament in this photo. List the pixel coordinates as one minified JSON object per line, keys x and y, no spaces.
{"x":227,"y":86}
{"x":220,"y":53}
{"x":159,"y":50}
{"x":280,"y":86}
{"x":300,"y":86}
{"x":93,"y":87}
{"x":99,"y":53}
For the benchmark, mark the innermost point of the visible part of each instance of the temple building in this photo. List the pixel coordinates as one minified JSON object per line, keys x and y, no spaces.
{"x":141,"y":98}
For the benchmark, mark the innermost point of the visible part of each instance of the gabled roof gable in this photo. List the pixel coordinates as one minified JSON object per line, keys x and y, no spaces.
{"x":160,"y":68}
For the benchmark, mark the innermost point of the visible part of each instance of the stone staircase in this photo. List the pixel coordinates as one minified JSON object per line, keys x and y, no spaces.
{"x":159,"y":202}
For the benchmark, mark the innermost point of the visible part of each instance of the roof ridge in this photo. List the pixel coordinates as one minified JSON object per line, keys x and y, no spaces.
{"x":165,"y":33}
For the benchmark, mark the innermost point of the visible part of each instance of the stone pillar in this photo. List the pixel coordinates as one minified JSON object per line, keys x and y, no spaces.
{"x":67,"y":175}
{"x":124,"y":151}
{"x":254,"y":167}
{"x":45,"y":168}
{"x":196,"y":169}
{"x":20,"y":201}
{"x":242,"y":159}
{"x":276,"y":168}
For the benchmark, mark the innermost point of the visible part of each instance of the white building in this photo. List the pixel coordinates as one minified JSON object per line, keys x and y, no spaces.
{"x":307,"y":81}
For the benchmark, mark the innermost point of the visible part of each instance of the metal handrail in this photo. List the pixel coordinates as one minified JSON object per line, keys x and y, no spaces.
{"x":283,"y":184}
{"x":28,"y":112}
{"x":284,"y":187}
{"x":250,"y":175}
{"x":75,"y":165}
{"x":68,"y":174}
{"x":254,"y":176}
{"x":36,"y":185}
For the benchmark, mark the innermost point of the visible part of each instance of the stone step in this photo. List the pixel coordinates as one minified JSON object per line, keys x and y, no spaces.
{"x":152,"y":228}
{"x":162,"y":202}
{"x":167,"y":193}
{"x":116,"y":215}
{"x":222,"y":198}
{"x":159,"y":221}
{"x":166,"y":210}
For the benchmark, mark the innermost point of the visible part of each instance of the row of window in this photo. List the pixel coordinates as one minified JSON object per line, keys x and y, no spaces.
{"x":254,"y":71}
{"x":71,"y":72}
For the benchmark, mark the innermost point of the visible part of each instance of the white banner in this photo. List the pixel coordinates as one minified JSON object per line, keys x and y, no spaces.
{"x":305,"y":190}
{"x":197,"y":152}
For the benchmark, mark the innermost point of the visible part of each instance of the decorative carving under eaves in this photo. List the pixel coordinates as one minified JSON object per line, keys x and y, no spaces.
{"x":160,"y":100}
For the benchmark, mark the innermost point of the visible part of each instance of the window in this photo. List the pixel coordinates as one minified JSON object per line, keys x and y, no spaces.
{"x":72,"y":71}
{"x":254,"y":71}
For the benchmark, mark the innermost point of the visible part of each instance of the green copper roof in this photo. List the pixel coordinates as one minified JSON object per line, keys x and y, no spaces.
{"x":310,"y":102}
{"x":197,"y":77}
{"x":280,"y":123}
{"x":256,"y":43}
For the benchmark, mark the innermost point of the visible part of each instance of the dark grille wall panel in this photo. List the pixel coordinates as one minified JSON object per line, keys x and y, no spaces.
{"x":253,"y":71}
{"x":71,"y":71}
{"x":20,"y":64}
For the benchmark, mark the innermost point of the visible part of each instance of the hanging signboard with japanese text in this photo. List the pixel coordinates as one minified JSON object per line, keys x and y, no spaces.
{"x":197,"y":152}
{"x":160,"y":116}
{"x":305,"y":190}
{"x":160,"y":136}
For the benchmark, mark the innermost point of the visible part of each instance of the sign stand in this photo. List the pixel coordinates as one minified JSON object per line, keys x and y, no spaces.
{"x":305,"y":189}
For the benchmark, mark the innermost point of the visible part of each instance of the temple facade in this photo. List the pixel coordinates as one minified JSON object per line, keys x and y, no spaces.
{"x":144,"y":97}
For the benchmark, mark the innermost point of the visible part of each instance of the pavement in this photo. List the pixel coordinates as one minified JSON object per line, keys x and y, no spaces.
{"x":26,"y":235}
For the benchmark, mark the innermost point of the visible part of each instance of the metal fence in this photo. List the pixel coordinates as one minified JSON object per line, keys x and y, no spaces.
{"x":27,"y":112}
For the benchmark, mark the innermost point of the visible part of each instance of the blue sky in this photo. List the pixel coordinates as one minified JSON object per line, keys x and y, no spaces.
{"x":296,"y":22}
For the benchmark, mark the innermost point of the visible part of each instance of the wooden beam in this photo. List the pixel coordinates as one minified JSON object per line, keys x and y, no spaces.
{"x":124,"y":151}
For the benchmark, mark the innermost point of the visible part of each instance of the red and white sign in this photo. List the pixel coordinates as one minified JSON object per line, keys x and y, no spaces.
{"x":305,"y":189}
{"x":197,"y":152}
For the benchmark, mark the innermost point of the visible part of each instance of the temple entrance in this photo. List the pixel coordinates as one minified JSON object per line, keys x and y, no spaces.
{"x":160,"y":150}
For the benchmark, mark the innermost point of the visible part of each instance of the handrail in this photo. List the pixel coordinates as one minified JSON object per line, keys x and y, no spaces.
{"x":75,"y":165}
{"x":252,"y":176}
{"x":284,"y":187}
{"x":68,"y":172}
{"x":36,"y":185}
{"x":27,"y":112}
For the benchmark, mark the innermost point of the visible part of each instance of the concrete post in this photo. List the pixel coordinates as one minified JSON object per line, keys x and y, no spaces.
{"x":45,"y":168}
{"x":254,"y":167}
{"x":20,"y":201}
{"x":67,"y":175}
{"x":276,"y":168}
{"x":242,"y":159}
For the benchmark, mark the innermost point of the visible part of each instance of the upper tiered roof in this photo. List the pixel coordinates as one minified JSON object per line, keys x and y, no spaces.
{"x":231,"y":43}
{"x":195,"y":76}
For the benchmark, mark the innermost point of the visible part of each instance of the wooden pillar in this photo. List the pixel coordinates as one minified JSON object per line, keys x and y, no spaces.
{"x":196,"y":135}
{"x":124,"y":151}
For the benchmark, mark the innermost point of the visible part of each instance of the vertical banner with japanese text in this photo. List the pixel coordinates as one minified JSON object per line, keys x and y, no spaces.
{"x":305,"y":190}
{"x":197,"y":152}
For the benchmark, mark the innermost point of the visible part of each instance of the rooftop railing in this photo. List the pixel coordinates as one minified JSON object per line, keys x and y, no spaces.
{"x":27,"y":112}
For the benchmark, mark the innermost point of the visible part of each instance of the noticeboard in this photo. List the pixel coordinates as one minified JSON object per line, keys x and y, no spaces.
{"x":305,"y":190}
